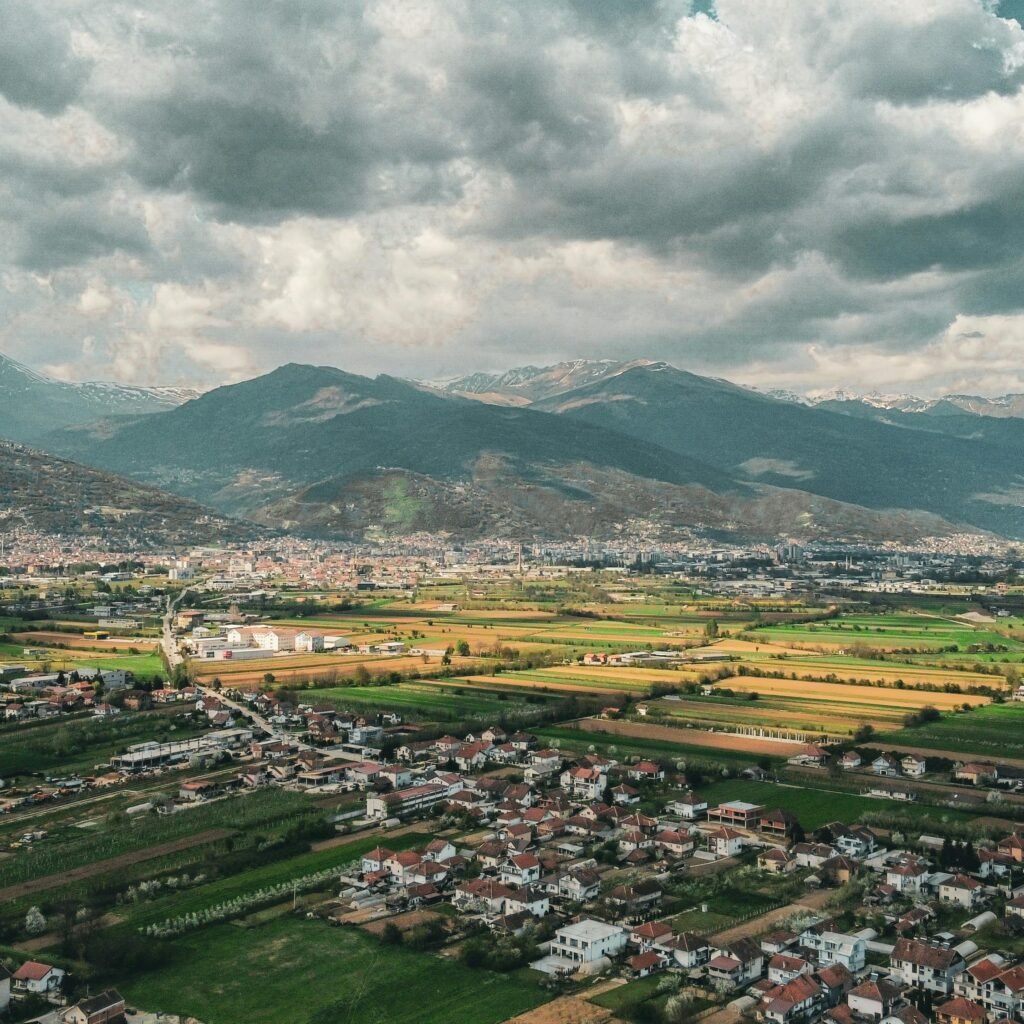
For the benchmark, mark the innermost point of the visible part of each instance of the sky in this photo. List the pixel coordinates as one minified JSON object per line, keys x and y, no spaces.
{"x":784,"y":193}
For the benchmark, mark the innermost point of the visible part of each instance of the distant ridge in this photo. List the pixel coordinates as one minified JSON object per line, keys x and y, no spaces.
{"x":32,"y":404}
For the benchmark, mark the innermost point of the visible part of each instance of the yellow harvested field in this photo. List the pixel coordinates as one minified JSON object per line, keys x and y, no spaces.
{"x":690,"y":737}
{"x":320,"y":668}
{"x":912,"y":675}
{"x":512,"y":679}
{"x":637,"y":675}
{"x":886,"y":696}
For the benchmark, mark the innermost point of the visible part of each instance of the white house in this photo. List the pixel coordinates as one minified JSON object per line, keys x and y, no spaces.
{"x":587,"y":941}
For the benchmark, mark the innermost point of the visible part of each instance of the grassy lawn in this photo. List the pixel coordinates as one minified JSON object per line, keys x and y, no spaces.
{"x":299,"y":971}
{"x":816,"y":807}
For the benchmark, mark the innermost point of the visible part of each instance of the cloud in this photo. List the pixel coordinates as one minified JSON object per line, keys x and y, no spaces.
{"x":780,"y":190}
{"x":38,"y":68}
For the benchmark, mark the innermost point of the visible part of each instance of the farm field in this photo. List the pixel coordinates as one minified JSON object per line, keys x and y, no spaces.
{"x":816,"y":807}
{"x":76,"y":640}
{"x":920,"y":632}
{"x":823,"y":717}
{"x":990,"y":732}
{"x":277,"y":972}
{"x":267,"y":813}
{"x":249,"y":674}
{"x":440,"y":700}
{"x":62,"y":747}
{"x":867,"y":696}
{"x":696,"y":738}
{"x":576,"y":740}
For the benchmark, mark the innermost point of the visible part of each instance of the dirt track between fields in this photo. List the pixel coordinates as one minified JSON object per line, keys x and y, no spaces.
{"x":101,"y":867}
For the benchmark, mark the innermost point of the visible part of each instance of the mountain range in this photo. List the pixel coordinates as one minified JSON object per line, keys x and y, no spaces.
{"x":581,"y":448}
{"x":32,"y":404}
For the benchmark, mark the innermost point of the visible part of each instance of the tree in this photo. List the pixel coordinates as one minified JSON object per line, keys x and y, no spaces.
{"x":392,"y":934}
{"x":462,"y":647}
{"x":711,"y":630}
{"x":35,"y":923}
{"x":863,"y":733}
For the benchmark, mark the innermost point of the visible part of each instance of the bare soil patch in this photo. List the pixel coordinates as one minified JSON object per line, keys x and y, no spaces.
{"x":690,"y":737}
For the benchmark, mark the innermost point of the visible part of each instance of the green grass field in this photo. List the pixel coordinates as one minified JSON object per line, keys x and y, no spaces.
{"x":817,"y":807}
{"x":306,"y":972}
{"x":993,"y":731}
{"x":62,"y":747}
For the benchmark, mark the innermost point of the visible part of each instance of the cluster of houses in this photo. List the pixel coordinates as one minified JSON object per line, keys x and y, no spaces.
{"x":46,"y":981}
{"x":545,"y":851}
{"x":28,"y":695}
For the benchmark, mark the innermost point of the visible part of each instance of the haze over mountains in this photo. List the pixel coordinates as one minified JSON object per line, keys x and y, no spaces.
{"x":586,"y":447}
{"x":32,"y":404}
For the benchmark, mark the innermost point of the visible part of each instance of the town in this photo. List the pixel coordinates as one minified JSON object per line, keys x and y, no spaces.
{"x":644,"y":792}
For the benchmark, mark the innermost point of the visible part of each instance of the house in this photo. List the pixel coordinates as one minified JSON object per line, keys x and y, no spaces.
{"x":885,"y":764}
{"x":737,"y":813}
{"x":584,"y":783}
{"x":850,"y":760}
{"x":811,"y":855}
{"x":832,"y":947}
{"x":995,"y":985}
{"x":675,"y":844}
{"x":587,"y":941}
{"x":726,"y":842}
{"x":976,"y":774}
{"x":961,"y":890}
{"x":647,"y":963}
{"x":908,"y":876}
{"x":926,"y":965}
{"x":635,"y":901}
{"x":798,"y":999}
{"x":735,"y":964}
{"x":775,"y":861}
{"x":810,"y":756}
{"x":645,"y":771}
{"x":106,"y":1008}
{"x":35,"y":978}
{"x":686,"y":949}
{"x":777,"y":823}
{"x":625,"y":795}
{"x":646,"y":935}
{"x":852,"y":840}
{"x":521,"y":869}
{"x":874,"y":998}
{"x":783,"y":968}
{"x":960,"y":1011}
{"x":689,"y":807}
{"x":913,"y":767}
{"x":1012,"y":846}
{"x":579,"y":885}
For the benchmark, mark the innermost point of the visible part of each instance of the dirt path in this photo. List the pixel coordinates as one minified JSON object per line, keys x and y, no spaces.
{"x":101,"y":867}
{"x":758,"y":925}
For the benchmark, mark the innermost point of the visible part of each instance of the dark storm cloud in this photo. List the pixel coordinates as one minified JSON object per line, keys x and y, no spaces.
{"x":37,"y":68}
{"x":59,"y":238}
{"x":752,"y":179}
